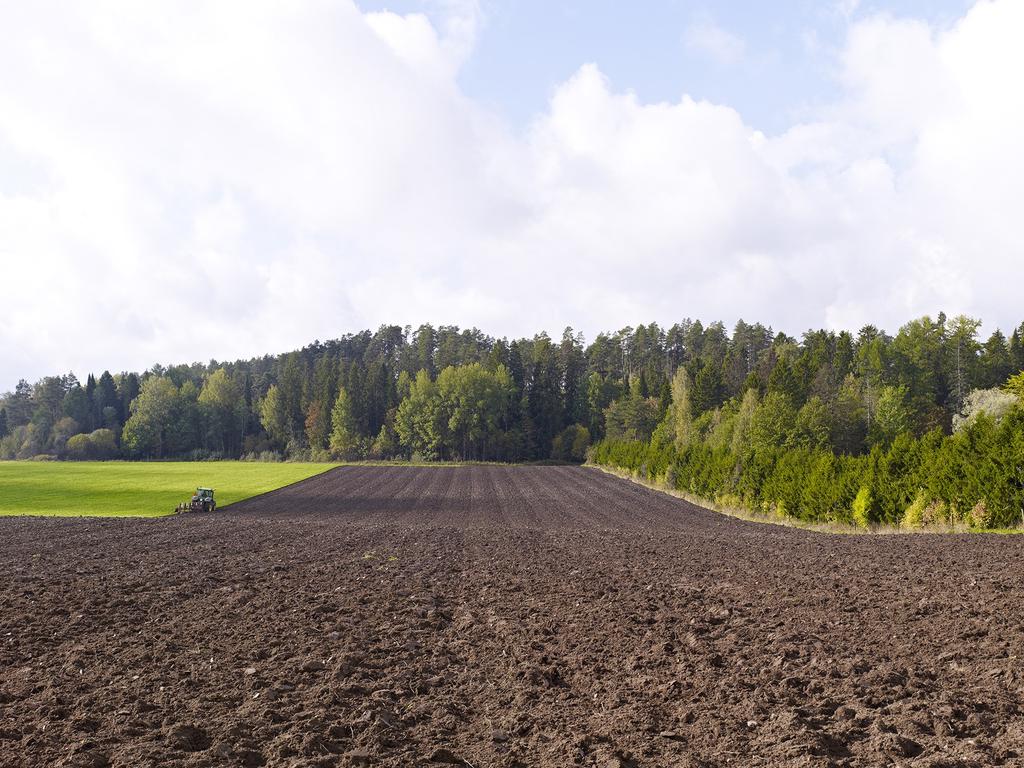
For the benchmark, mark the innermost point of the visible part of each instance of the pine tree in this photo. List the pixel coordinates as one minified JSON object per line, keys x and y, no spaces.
{"x":544,"y":396}
{"x":573,"y":365}
{"x":1016,"y":348}
{"x":665,"y":398}
{"x":783,"y":380}
{"x":77,"y":405}
{"x":707,"y":389}
{"x":96,"y":414}
{"x":642,"y":388}
{"x":962,"y":353}
{"x":127,"y":390}
{"x":105,"y":396}
{"x":994,"y":365}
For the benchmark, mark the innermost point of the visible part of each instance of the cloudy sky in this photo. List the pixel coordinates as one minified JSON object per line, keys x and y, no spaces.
{"x":211,"y":179}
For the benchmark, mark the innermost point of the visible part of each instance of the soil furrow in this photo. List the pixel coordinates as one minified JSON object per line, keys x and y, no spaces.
{"x":501,"y":616}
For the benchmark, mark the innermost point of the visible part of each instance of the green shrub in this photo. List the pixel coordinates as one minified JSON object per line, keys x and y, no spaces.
{"x":862,"y":508}
{"x":78,"y":447}
{"x":914,"y":517}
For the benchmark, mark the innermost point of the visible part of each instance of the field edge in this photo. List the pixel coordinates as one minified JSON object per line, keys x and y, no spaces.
{"x":835,"y":529}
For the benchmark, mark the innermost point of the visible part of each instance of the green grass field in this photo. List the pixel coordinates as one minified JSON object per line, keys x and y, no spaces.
{"x":148,"y":489}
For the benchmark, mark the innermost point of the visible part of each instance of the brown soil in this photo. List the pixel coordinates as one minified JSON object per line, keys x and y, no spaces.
{"x":501,"y":616}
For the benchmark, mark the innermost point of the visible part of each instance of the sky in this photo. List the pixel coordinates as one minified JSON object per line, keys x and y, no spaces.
{"x":191,"y":180}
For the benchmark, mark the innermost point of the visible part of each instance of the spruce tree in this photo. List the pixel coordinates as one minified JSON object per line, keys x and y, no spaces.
{"x":707,"y":389}
{"x":1017,"y":349}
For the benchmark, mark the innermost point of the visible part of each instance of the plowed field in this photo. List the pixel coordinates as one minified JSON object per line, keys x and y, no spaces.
{"x":501,"y":616}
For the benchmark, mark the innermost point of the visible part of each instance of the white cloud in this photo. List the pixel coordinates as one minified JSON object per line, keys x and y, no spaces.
{"x":707,"y":38}
{"x":195,"y":180}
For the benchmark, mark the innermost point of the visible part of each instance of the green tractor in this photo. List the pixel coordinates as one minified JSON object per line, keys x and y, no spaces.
{"x":202,"y":501}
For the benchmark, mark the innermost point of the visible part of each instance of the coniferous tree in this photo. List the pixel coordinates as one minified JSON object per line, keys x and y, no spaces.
{"x":19,"y":404}
{"x":783,"y":380}
{"x":77,"y":405}
{"x":601,"y":392}
{"x":962,"y":354}
{"x":95,"y":414}
{"x":574,"y":384}
{"x":665,"y":398}
{"x":1016,"y":349}
{"x":128,"y":389}
{"x":707,"y":388}
{"x":994,"y":364}
{"x":105,"y":396}
{"x":544,"y":397}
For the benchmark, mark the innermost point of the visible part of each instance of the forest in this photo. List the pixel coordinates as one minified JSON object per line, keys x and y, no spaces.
{"x":866,"y":427}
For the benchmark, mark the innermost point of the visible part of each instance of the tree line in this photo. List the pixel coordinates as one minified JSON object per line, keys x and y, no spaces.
{"x":917,"y":445}
{"x":449,"y":393}
{"x":753,"y":455}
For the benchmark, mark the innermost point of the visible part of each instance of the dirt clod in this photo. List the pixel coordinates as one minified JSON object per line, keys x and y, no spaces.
{"x":445,"y":755}
{"x":188,"y":738}
{"x":358,"y":757}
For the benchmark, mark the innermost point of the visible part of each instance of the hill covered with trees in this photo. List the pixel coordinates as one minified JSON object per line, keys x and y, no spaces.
{"x":735,"y":415}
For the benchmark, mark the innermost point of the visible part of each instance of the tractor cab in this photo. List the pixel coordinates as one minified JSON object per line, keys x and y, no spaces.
{"x":204,"y":500}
